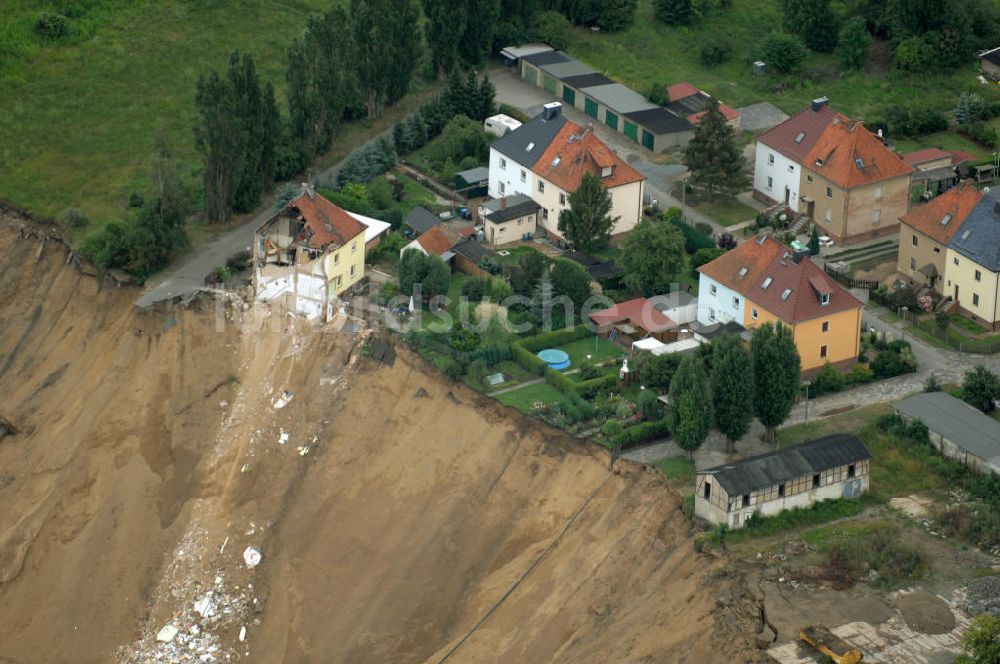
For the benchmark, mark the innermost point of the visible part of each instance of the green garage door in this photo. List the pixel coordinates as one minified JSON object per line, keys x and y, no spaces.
{"x":590,"y":107}
{"x":631,"y":131}
{"x":530,"y":74}
{"x":647,"y":139}
{"x":611,"y":119}
{"x":569,"y":95}
{"x":550,"y":84}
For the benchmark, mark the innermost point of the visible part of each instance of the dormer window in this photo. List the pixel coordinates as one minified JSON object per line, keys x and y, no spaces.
{"x":607,"y":171}
{"x":824,"y":299}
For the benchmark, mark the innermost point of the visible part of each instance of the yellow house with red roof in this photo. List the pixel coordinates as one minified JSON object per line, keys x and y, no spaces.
{"x":309,"y":252}
{"x":763,"y":281}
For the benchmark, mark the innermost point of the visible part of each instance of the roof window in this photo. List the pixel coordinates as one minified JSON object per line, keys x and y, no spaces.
{"x":607,"y":171}
{"x":859,"y":163}
{"x":965,"y":235}
{"x":946,"y":219}
{"x":743,"y":272}
{"x":531,"y":146}
{"x":767,"y":282}
{"x":800,"y":137}
{"x":555,"y":162}
{"x":786,"y":294}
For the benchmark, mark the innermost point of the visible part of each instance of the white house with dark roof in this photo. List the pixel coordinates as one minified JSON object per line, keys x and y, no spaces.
{"x":781,"y":150}
{"x":513,"y":154}
{"x":828,"y":468}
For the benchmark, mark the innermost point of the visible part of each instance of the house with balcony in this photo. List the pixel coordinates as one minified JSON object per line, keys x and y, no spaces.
{"x":763,"y":281}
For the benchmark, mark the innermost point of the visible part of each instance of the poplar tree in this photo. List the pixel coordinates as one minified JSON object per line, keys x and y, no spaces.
{"x":386,"y":47}
{"x":690,"y":410}
{"x":776,"y":371}
{"x":732,"y":389}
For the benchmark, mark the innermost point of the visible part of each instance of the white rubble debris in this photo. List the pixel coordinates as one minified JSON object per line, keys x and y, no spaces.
{"x":166,"y":634}
{"x":283,"y":438}
{"x":283,"y":400}
{"x":252,"y":556}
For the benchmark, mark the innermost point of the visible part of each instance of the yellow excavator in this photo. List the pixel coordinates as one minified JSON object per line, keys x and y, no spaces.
{"x":831,"y":645}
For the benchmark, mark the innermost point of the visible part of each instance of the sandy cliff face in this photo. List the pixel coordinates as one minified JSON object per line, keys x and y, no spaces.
{"x":405,"y":519}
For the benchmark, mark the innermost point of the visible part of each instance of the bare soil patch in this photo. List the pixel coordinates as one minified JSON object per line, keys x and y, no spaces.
{"x":926,"y":613}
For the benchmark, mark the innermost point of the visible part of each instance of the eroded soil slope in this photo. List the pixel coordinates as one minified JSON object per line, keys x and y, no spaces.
{"x":404,"y":519}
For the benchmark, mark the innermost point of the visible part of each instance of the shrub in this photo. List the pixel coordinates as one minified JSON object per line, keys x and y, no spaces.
{"x":782,"y":52}
{"x":895,"y":563}
{"x":932,"y":384}
{"x":889,"y":363}
{"x":658,"y":94}
{"x":612,"y":428}
{"x":239,"y":261}
{"x":51,"y":26}
{"x":74,"y":219}
{"x":588,"y":371}
{"x":463,"y":340}
{"x":451,"y":368}
{"x":827,"y":380}
{"x":693,"y":238}
{"x":860,"y":374}
{"x":641,"y":433}
{"x":649,"y":406}
{"x":474,"y":289}
{"x":498,"y":290}
{"x":552,"y":28}
{"x":714,"y":51}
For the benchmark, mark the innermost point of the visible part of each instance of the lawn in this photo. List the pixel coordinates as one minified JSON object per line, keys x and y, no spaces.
{"x":514,"y":255}
{"x":726,"y":211}
{"x":599,"y":349}
{"x":967,"y":325}
{"x":651,"y":52}
{"x":679,"y":471}
{"x":522,"y":398}
{"x":80,"y":115}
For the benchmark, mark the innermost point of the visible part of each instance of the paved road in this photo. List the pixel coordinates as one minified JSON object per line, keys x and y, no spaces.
{"x":187,"y":275}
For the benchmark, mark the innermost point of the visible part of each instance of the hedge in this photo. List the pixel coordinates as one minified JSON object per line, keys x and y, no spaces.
{"x":640,"y":433}
{"x":524,"y":349}
{"x":583,"y":388}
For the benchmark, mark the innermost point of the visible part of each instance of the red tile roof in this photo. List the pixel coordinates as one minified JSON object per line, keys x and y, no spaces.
{"x":849,"y":155}
{"x":435,"y":241}
{"x":794,"y":292}
{"x":953,"y":205}
{"x":807,"y":122}
{"x":727,"y":111}
{"x":958,"y":157}
{"x":925,"y":155}
{"x":679,"y":91}
{"x":327,"y":222}
{"x":577,"y":150}
{"x":640,"y":312}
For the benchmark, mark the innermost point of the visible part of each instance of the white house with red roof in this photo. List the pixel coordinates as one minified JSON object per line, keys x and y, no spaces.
{"x":781,"y":150}
{"x":308,"y":253}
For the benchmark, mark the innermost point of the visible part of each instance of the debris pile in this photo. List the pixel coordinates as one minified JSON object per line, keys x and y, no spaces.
{"x":984,"y":596}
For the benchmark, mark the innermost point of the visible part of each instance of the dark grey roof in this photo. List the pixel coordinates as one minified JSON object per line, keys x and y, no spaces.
{"x":992,"y":56}
{"x":471,"y":249}
{"x":598,"y":269}
{"x":515,"y":211}
{"x":537,"y":134}
{"x":956,"y":421}
{"x":766,"y":470}
{"x":581,"y":258}
{"x":546,"y":58}
{"x":718,"y":329}
{"x":421,"y":219}
{"x":474,"y":175}
{"x":619,"y":98}
{"x":586,"y":80}
{"x":978,"y":237}
{"x":660,"y":121}
{"x":688,"y":105}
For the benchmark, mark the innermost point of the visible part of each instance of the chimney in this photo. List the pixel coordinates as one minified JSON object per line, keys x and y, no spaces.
{"x":799,"y":255}
{"x":819,"y":103}
{"x":551,"y":110}
{"x":503,"y":203}
{"x":309,"y":189}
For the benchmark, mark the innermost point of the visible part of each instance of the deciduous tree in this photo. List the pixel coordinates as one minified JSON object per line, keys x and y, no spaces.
{"x":853,"y":42}
{"x":732,"y":390}
{"x":571,"y":280}
{"x":674,"y":12}
{"x":712,"y":156}
{"x":587,"y":222}
{"x":653,"y":256}
{"x":776,"y":369}
{"x":814,"y":21}
{"x":980,"y":387}
{"x":782,"y":52}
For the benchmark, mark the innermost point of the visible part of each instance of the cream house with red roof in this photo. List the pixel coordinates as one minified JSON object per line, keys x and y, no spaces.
{"x":764,"y":281}
{"x":854,"y":187}
{"x":308,"y":253}
{"x":546,"y":159}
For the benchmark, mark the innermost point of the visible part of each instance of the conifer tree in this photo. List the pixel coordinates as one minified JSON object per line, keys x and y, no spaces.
{"x":732,"y":391}
{"x":712,"y":156}
{"x":776,"y":371}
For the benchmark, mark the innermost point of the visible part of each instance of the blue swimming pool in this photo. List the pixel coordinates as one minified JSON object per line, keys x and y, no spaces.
{"x":555,"y":358}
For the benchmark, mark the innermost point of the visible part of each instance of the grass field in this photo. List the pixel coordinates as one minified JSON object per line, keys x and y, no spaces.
{"x":522,"y":398}
{"x":945,"y":140}
{"x":726,"y":211}
{"x":651,"y":52}
{"x":599,"y":350}
{"x":80,"y":114}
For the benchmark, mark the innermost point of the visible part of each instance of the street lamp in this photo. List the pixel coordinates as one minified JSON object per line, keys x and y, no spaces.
{"x":905,"y":309}
{"x":807,"y":384}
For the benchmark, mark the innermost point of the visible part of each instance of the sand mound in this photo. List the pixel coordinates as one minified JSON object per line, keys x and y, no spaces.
{"x":404,"y":519}
{"x":925,"y":613}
